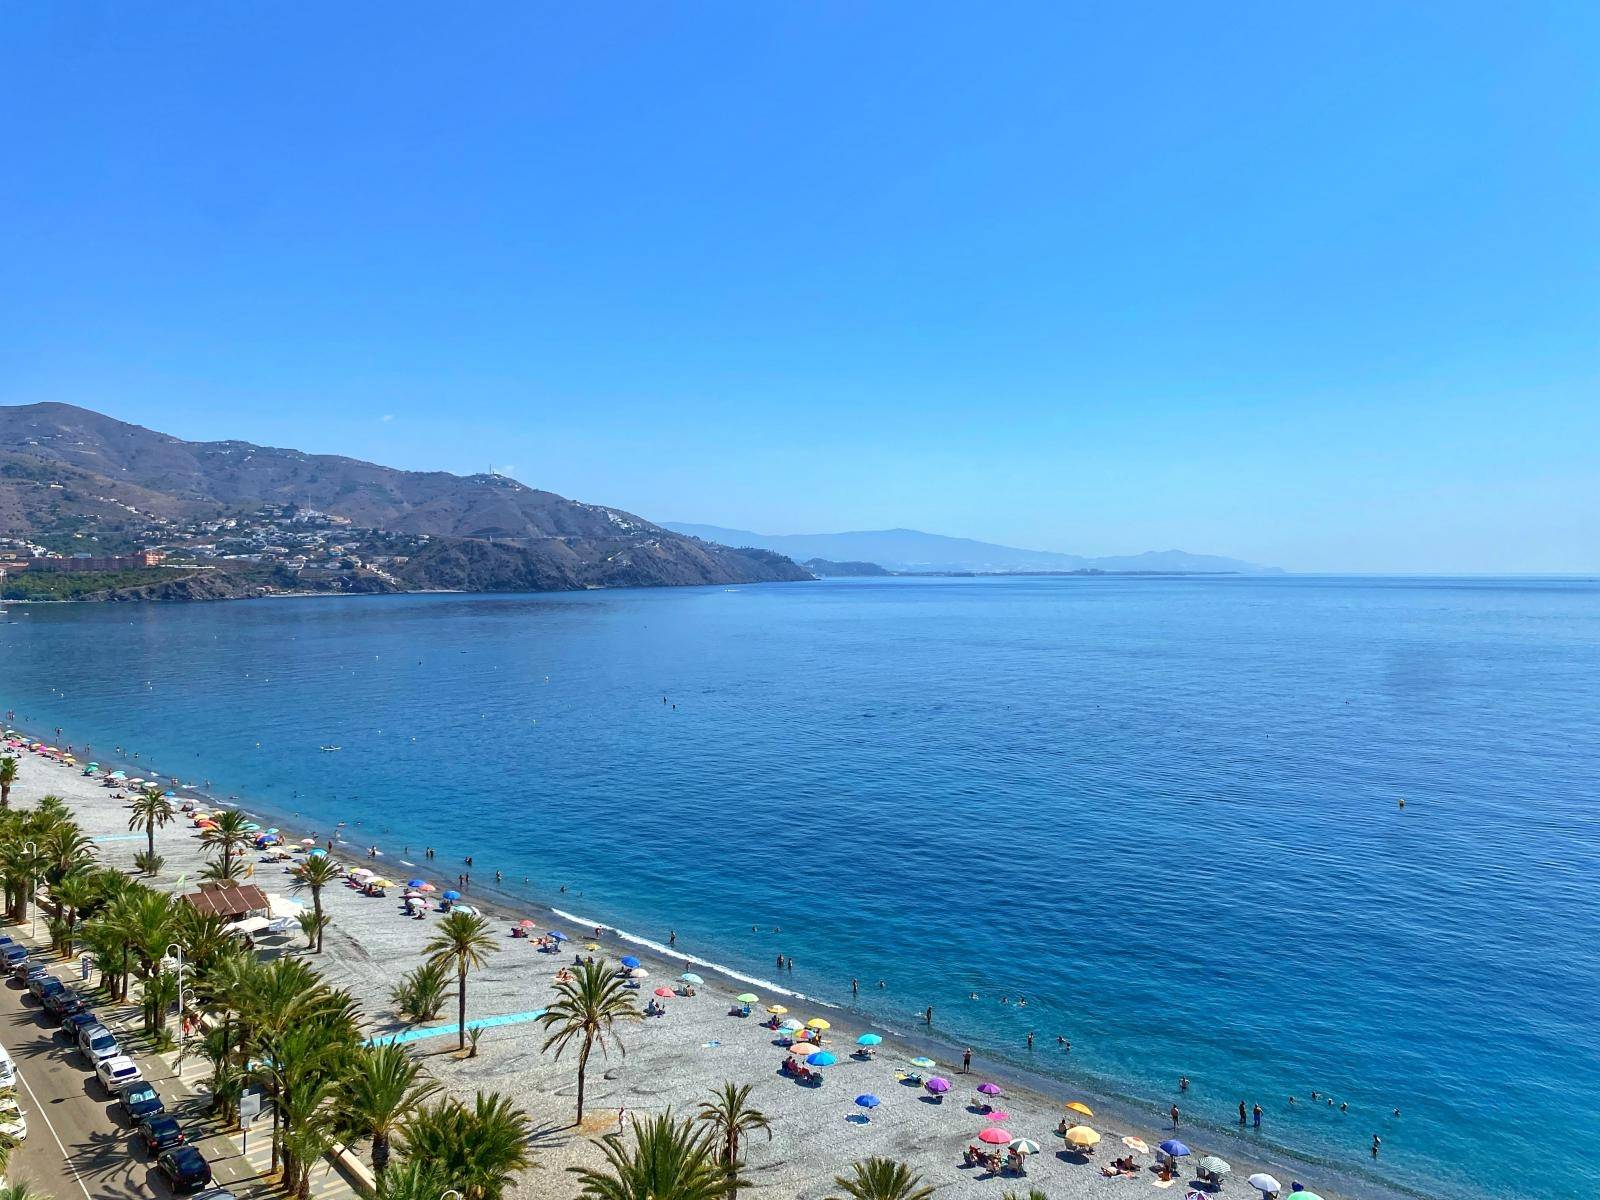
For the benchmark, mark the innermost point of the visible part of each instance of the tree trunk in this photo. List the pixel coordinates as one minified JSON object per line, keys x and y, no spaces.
{"x":5,"y":795}
{"x":461,"y":1005}
{"x":380,"y":1152}
{"x":150,"y":836}
{"x":316,"y":907}
{"x":583,"y":1066}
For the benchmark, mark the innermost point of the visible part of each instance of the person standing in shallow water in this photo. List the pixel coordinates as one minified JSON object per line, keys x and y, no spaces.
{"x":1242,"y":1115}
{"x":1255,"y":1115}
{"x":1173,"y":1113}
{"x":966,"y":1061}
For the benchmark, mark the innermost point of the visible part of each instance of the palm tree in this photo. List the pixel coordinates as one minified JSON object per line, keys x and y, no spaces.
{"x":152,"y":809}
{"x":384,"y":1088}
{"x":76,"y":891}
{"x":730,"y":1115}
{"x":22,"y":1190}
{"x":414,"y":1180}
{"x":315,"y":874}
{"x":64,"y":846}
{"x":420,"y":994}
{"x":883,"y":1179}
{"x":586,"y":1010}
{"x":669,"y":1160}
{"x":475,"y":1150}
{"x":230,"y":836}
{"x":465,"y":939}
{"x":8,"y":776}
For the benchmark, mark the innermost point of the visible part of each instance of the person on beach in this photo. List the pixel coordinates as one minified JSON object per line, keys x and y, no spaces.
{"x":1183,"y":1083}
{"x":855,"y":987}
{"x":789,"y":963}
{"x":1173,"y":1113}
{"x":1030,"y":1039}
{"x":966,"y":1061}
{"x":1255,"y":1115}
{"x":672,"y":937}
{"x":928,"y":1016}
{"x":780,"y":962}
{"x":497,"y":875}
{"x":1243,"y":1116}
{"x":1376,"y":1143}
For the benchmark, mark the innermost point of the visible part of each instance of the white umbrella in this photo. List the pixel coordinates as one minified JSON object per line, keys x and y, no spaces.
{"x":1265,"y":1184}
{"x":639,"y":973}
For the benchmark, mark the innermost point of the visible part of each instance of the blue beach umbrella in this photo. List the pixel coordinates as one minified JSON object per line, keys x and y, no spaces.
{"x":319,"y":852}
{"x":868,"y":1101}
{"x":820,"y":1059}
{"x":868,"y":1039}
{"x":555,"y":933}
{"x":414,"y":882}
{"x":630,"y":962}
{"x":1174,"y":1147}
{"x":690,"y":977}
{"x":452,"y":894}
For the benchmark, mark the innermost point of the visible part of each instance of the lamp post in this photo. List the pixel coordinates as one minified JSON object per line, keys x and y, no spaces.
{"x":451,"y":1193}
{"x":176,"y":951}
{"x":33,"y":898}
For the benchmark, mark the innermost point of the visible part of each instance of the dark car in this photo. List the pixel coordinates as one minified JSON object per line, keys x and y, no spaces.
{"x":74,"y":1023}
{"x":25,"y":972}
{"x":42,"y":984}
{"x":186,"y":1169}
{"x":160,"y":1131}
{"x":139,"y":1100}
{"x":63,"y":1002}
{"x":7,"y":941}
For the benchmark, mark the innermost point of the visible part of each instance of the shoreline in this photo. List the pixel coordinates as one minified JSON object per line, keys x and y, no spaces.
{"x":1039,"y":1092}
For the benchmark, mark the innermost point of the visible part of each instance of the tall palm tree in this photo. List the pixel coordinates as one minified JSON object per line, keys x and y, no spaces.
{"x":475,"y":1150}
{"x":64,"y":847}
{"x":384,"y":1087}
{"x":413,"y":1180}
{"x":730,"y":1114}
{"x":464,"y":939}
{"x":76,"y":891}
{"x":8,"y":776}
{"x":230,"y":836}
{"x":586,"y":1010}
{"x":882,"y":1179}
{"x":669,"y":1160}
{"x":315,"y":874}
{"x":151,"y":809}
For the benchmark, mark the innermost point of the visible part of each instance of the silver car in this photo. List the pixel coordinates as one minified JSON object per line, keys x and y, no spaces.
{"x":98,"y":1044}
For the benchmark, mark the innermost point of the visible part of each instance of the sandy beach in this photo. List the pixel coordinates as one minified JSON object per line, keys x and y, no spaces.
{"x":675,"y":1061}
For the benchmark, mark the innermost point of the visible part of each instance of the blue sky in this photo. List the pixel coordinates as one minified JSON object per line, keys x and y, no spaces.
{"x":1317,"y":286}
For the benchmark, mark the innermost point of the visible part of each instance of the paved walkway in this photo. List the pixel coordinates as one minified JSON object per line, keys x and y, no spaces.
{"x":433,"y":1031}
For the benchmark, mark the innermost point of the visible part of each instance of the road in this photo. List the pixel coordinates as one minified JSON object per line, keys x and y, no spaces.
{"x":79,"y":1147}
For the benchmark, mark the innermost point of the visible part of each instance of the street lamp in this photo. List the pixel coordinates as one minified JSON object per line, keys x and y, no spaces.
{"x":449,"y":1194}
{"x":176,"y":951}
{"x":33,"y":896}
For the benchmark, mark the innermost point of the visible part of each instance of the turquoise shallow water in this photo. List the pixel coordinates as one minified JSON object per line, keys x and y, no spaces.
{"x":1162,"y":810}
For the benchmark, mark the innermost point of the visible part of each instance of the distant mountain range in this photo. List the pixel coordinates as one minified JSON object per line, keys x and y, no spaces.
{"x":73,"y":480}
{"x":913,"y":550}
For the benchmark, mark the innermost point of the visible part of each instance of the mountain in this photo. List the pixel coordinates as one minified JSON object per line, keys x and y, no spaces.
{"x":71,"y":479}
{"x":913,"y":550}
{"x":824,"y":568}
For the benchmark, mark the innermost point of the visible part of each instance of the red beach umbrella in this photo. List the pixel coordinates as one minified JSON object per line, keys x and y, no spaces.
{"x":995,"y":1136}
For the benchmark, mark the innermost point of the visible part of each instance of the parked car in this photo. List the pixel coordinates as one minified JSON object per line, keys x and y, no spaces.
{"x":97,"y":1043}
{"x":63,"y":1002}
{"x":160,"y":1131}
{"x":139,"y":1100}
{"x":116,"y":1071}
{"x":25,"y":970}
{"x":13,"y":954}
{"x":8,"y":1071}
{"x":7,"y":941}
{"x":42,"y":984}
{"x":12,"y":1123}
{"x":75,"y":1023}
{"x":186,"y":1169}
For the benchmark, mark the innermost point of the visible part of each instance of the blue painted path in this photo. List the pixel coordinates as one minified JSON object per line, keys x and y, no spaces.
{"x":417,"y":1035}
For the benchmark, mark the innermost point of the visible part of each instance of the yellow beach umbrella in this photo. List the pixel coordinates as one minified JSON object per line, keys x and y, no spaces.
{"x":776,"y":1010}
{"x":818,"y":1023}
{"x":1082,"y":1135}
{"x":592,"y":946}
{"x":1078,"y":1106}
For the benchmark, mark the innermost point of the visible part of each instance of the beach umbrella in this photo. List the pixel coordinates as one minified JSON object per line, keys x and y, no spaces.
{"x":924,"y":1063}
{"x":776,"y":1010}
{"x":313,"y":842}
{"x":558,"y":935}
{"x":452,"y":894}
{"x":989,"y":1089}
{"x":1024,"y":1146}
{"x":1138,"y":1144}
{"x":1214,"y":1165}
{"x":1082,"y":1135}
{"x":939,"y":1085}
{"x":994,"y":1118}
{"x":665,"y":992}
{"x":317,"y":852}
{"x":591,"y":945}
{"x":1174,"y":1147}
{"x":630,"y":961}
{"x":468,"y":909}
{"x":747,"y":998}
{"x":868,"y":1039}
{"x":690,"y":977}
{"x":868,"y":1101}
{"x":1078,"y":1106}
{"x":790,"y":1024}
{"x":427,"y":887}
{"x":820,"y":1059}
{"x":638,"y":973}
{"x":1264,"y":1183}
{"x":1302,"y":1194}
{"x":420,"y":882}
{"x":525,"y":923}
{"x":818,"y":1023}
{"x":995,"y":1136}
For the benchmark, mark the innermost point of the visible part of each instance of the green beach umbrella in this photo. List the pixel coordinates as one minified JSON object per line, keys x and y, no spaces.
{"x":923,"y":1062}
{"x":748,"y":998}
{"x":1215,"y":1165}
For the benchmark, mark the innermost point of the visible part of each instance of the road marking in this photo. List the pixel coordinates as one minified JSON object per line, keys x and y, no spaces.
{"x":67,"y":1158}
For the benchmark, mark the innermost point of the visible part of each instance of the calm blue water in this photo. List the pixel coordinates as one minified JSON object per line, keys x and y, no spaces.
{"x":1163,"y":810}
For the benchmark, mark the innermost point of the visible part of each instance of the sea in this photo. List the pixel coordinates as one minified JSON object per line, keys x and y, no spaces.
{"x":1159,"y":818}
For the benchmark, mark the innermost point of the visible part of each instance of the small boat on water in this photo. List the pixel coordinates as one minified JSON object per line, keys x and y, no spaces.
{"x":329,"y":749}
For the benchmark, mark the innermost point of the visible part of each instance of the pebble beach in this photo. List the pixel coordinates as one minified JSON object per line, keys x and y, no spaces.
{"x":674,"y":1061}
